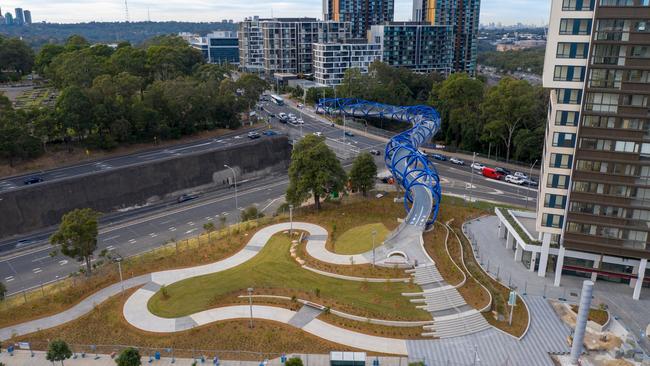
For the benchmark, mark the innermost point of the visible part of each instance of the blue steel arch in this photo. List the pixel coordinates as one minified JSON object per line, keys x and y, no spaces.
{"x":408,"y":165}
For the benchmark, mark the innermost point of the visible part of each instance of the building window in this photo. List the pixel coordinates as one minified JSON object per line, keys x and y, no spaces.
{"x":564,"y":139}
{"x":602,"y":102}
{"x":584,"y":229}
{"x":569,"y":73}
{"x":635,"y":100}
{"x":566,"y":118}
{"x":640,"y":52}
{"x":577,"y":5}
{"x":560,"y":181}
{"x":569,"y":96}
{"x":555,"y":201}
{"x":605,"y":78}
{"x":616,"y":2}
{"x":550,"y":220}
{"x":642,"y":26}
{"x":606,"y":54}
{"x":574,"y":27}
{"x":561,"y":161}
{"x":638,"y":76}
{"x":572,"y":50}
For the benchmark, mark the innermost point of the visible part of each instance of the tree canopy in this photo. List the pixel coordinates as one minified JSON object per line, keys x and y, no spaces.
{"x":16,"y":58}
{"x":363,"y":173}
{"x":129,"y":357}
{"x":58,"y":350}
{"x":77,"y":235}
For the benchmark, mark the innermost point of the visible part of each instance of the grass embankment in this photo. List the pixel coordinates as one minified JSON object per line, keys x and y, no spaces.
{"x":359,"y":239}
{"x":273,"y":272}
{"x":598,"y":316}
{"x":62,"y":295}
{"x":106,"y":325}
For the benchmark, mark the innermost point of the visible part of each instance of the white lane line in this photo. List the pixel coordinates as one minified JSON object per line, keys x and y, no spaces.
{"x":191,"y":231}
{"x":110,"y":247}
{"x":190,"y":223}
{"x":63,"y":262}
{"x":9,"y":279}
{"x":165,"y":222}
{"x":225,"y":213}
{"x":208,"y":218}
{"x":111,"y":237}
{"x":270,"y":203}
{"x":153,"y":235}
{"x":132,"y":241}
{"x":40,"y":259}
{"x":172,"y":229}
{"x":37,"y":270}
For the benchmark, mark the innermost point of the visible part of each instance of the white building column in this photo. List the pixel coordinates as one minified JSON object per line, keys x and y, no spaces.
{"x":533,"y":260}
{"x":518,"y":253}
{"x":502,"y":230}
{"x":558,"y":266}
{"x":594,"y":275}
{"x":510,"y":239}
{"x":543,"y":255}
{"x":639,"y":279}
{"x":635,"y":271}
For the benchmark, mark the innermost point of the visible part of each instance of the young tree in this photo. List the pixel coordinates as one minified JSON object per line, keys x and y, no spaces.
{"x":129,"y":357}
{"x":58,"y":351}
{"x":294,"y":361}
{"x":251,"y":213}
{"x":363,"y":173}
{"x":77,"y":235}
{"x":314,"y":170}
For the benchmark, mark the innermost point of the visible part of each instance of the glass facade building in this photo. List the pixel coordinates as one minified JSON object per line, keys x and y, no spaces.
{"x":361,"y":14}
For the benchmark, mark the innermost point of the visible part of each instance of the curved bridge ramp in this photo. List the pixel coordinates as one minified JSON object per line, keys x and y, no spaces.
{"x":411,"y":169}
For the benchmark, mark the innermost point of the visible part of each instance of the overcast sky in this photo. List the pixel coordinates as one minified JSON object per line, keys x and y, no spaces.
{"x":72,"y":11}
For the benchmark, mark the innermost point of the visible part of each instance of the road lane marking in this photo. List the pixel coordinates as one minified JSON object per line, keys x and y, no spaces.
{"x":9,"y":279}
{"x":191,"y":231}
{"x":153,"y":235}
{"x":132,"y":241}
{"x":208,"y":218}
{"x":110,"y":247}
{"x":63,"y":262}
{"x":225,"y":213}
{"x":172,"y":229}
{"x":37,"y":270}
{"x":190,"y":223}
{"x":111,"y":237}
{"x":40,"y":259}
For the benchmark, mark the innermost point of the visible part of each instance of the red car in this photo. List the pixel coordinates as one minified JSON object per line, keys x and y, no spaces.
{"x":492,"y":173}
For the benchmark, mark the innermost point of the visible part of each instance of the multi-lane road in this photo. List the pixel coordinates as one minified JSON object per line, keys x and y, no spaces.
{"x":146,"y":230}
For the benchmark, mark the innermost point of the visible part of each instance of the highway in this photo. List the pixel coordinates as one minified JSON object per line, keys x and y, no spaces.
{"x":142,"y":231}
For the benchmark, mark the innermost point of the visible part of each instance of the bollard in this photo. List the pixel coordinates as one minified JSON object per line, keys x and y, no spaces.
{"x":525,"y":287}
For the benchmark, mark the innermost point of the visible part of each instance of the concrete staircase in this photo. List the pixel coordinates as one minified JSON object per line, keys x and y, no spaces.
{"x":456,"y":325}
{"x":441,"y":298}
{"x":425,"y":274}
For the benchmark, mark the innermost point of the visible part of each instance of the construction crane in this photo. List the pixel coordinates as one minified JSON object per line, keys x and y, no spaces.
{"x":126,"y":10}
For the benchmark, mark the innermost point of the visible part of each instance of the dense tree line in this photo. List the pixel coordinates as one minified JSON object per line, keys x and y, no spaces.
{"x":531,"y":59}
{"x":507,"y":119}
{"x":39,"y":34}
{"x":125,"y":95}
{"x":16,"y":59}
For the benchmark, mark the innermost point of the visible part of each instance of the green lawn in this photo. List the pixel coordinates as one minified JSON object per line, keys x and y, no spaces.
{"x":273,"y":271}
{"x":359,"y":239}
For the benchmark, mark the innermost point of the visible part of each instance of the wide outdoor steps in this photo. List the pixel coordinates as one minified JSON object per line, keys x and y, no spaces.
{"x":447,"y":298}
{"x":457,"y":325}
{"x":425,"y":274}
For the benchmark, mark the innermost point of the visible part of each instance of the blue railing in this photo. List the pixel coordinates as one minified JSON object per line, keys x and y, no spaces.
{"x":408,"y":165}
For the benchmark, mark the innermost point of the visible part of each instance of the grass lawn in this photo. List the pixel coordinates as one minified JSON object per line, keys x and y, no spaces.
{"x":273,"y":271}
{"x":359,"y":239}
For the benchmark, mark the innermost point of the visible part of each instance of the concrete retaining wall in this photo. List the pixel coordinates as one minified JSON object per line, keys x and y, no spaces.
{"x":42,"y":205}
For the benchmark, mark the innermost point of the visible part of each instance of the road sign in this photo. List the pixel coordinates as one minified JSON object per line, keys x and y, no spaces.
{"x":512,"y":299}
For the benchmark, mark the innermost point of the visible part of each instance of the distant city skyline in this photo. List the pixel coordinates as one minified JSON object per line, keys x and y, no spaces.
{"x":507,"y":12}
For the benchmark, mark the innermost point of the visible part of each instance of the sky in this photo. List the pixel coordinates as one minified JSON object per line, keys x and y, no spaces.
{"x":72,"y":11}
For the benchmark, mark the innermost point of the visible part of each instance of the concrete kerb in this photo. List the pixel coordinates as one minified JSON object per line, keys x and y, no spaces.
{"x":452,"y":260}
{"x":353,"y":278}
{"x":464,"y":230}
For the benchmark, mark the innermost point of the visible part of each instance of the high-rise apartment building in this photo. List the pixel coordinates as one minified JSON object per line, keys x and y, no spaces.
{"x":217,"y":47}
{"x":251,"y":45}
{"x":9,"y":19}
{"x":20,"y":17}
{"x":361,"y":14}
{"x":288,"y":42}
{"x":332,"y":60}
{"x":417,"y":46}
{"x":28,"y":17}
{"x":595,"y":179}
{"x":463,"y":18}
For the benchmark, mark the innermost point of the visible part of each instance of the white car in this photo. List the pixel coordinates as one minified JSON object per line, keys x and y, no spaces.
{"x":319,"y":134}
{"x":456,"y":161}
{"x":300,"y":105}
{"x":521,"y":175}
{"x":477,"y":166}
{"x":300,"y":121}
{"x":514,"y":179}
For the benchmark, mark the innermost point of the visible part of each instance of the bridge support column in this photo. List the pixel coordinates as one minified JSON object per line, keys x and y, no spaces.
{"x":639,"y":279}
{"x":502,"y":230}
{"x":510,"y":239}
{"x":558,"y":267}
{"x":543,"y":255}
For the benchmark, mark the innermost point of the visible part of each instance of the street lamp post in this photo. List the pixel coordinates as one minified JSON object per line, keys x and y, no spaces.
{"x":471,"y":182}
{"x":234,"y":175}
{"x":119,"y":267}
{"x":530,"y":177}
{"x":290,"y":220}
{"x":250,"y":305}
{"x":374,"y":233}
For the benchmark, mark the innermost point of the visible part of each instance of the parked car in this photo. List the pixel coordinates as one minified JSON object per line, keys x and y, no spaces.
{"x":439,"y":157}
{"x":187,"y":197}
{"x":456,"y":161}
{"x":269,"y":133}
{"x":253,"y":135}
{"x":514,"y":179}
{"x":520,"y":175}
{"x":33,"y":180}
{"x":491,"y":173}
{"x":477,"y":166}
{"x":504,"y":171}
{"x":375,"y":152}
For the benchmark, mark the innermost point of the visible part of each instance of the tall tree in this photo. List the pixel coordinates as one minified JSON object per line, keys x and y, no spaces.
{"x":314,"y":170}
{"x":77,"y":235}
{"x":129,"y":357}
{"x":363,"y":173}
{"x":58,"y":350}
{"x":15,"y":56}
{"x":508,"y":106}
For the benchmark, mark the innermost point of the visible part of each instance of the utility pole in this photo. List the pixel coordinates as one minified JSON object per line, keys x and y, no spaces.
{"x":471,"y":184}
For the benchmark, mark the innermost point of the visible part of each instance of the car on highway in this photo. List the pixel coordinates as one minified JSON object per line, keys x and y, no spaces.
{"x":33,"y":180}
{"x":318,"y":133}
{"x":503,"y":171}
{"x":349,"y":134}
{"x":283,"y":117}
{"x":300,"y":121}
{"x":520,"y":175}
{"x":269,"y":133}
{"x":24,"y":242}
{"x":254,"y":135}
{"x":456,"y":161}
{"x":187,"y":197}
{"x":300,"y":105}
{"x":477,"y":166}
{"x":491,"y":173}
{"x":514,"y":179}
{"x":375,"y":152}
{"x":529,"y":182}
{"x":439,"y":157}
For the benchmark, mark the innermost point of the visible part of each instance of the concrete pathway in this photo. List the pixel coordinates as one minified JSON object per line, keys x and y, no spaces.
{"x":316,"y":248}
{"x":137,"y":313}
{"x":305,"y":315}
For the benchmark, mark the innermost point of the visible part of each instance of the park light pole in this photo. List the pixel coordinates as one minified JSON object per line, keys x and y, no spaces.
{"x":234,"y":175}
{"x":119,"y":267}
{"x":250,"y":305}
{"x":530,"y":177}
{"x":471,"y":182}
{"x":290,"y":220}
{"x":374,"y":233}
